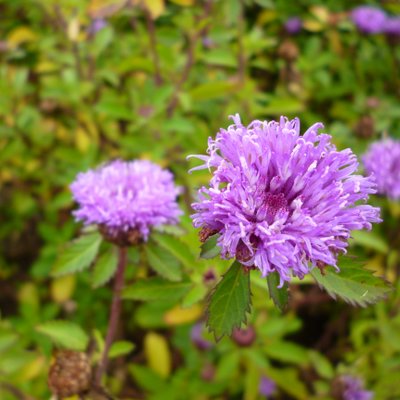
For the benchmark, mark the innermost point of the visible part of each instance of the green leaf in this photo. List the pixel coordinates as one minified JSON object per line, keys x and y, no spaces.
{"x":163,"y":262}
{"x":371,"y":240}
{"x":279,"y":296}
{"x":354,"y":285}
{"x":229,"y":302}
{"x":176,"y":247}
{"x":211,"y":90}
{"x":78,"y":255}
{"x":146,"y":378}
{"x":286,"y":352}
{"x":64,"y":333}
{"x":104,"y":268}
{"x":120,"y":348}
{"x":210,"y":249}
{"x":156,"y":289}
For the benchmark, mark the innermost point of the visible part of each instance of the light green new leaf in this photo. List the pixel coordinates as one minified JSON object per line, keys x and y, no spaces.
{"x":104,"y":268}
{"x":163,"y":262}
{"x":279,"y":296}
{"x":354,"y":285}
{"x":120,"y":348}
{"x":65,"y":333}
{"x":210,"y":249}
{"x":230,"y":301}
{"x":156,"y":289}
{"x":78,"y":255}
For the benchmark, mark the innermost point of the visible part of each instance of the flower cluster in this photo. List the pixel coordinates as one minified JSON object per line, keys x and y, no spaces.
{"x":383,"y":160}
{"x":125,"y":196}
{"x":372,"y":20}
{"x":354,"y":390}
{"x":281,"y":201}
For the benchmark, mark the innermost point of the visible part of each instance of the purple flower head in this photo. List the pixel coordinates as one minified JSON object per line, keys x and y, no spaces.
{"x":123,"y":196}
{"x":392,"y":26}
{"x":293,"y":25}
{"x":369,"y":19}
{"x":354,"y":389}
{"x":281,"y":201}
{"x":96,"y":25}
{"x":196,"y":336}
{"x":267,"y":386}
{"x":383,"y":160}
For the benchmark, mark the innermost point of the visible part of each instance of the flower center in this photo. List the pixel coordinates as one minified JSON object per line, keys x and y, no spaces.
{"x":274,"y":203}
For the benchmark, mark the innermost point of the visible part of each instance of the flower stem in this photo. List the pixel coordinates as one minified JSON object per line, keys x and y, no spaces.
{"x":115,"y":313}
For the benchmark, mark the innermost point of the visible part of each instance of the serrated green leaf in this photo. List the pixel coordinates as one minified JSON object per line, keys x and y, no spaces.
{"x":176,"y":247}
{"x":355,"y":285}
{"x":279,"y":296}
{"x":210,"y":249}
{"x":104,"y":268}
{"x":65,"y":333}
{"x":156,"y":289}
{"x":230,"y":301}
{"x":78,"y":255}
{"x":120,"y":348}
{"x":163,"y":262}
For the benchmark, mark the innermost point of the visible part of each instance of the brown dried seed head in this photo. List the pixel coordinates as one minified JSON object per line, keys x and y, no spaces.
{"x":70,"y":374}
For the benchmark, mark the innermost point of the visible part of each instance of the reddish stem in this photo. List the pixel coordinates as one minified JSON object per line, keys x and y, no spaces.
{"x":115,"y":313}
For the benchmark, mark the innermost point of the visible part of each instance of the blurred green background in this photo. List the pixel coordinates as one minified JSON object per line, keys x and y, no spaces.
{"x":83,"y":82}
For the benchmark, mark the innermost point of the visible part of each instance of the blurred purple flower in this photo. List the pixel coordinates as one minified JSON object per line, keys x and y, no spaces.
{"x":392,"y":26}
{"x":196,"y":336}
{"x":96,"y":25}
{"x":267,"y":386}
{"x":354,"y":389}
{"x":280,"y":201}
{"x":121,"y":196}
{"x":293,"y":25}
{"x":383,"y":160}
{"x":369,"y":19}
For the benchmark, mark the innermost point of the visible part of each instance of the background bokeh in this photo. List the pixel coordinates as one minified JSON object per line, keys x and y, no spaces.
{"x":84,"y":82}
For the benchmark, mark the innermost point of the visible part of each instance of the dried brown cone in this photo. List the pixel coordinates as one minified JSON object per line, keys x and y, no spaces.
{"x":70,"y":374}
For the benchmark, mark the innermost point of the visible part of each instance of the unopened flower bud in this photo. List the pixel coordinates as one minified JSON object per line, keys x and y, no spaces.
{"x":244,"y":337}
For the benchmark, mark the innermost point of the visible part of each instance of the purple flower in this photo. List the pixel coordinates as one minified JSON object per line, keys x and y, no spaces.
{"x":383,"y":160}
{"x":293,"y":25}
{"x":267,"y":386}
{"x":369,"y":19}
{"x":196,"y":336}
{"x":354,"y":389}
{"x":280,"y":201}
{"x":392,"y":26}
{"x":96,"y":25}
{"x":123,"y":196}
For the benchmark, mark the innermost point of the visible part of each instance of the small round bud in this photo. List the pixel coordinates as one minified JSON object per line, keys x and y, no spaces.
{"x":365,"y":127}
{"x":70,"y":374}
{"x":208,"y":373}
{"x":244,"y":337}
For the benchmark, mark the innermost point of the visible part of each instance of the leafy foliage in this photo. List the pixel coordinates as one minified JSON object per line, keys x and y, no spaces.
{"x":229,"y":302}
{"x":65,"y":333}
{"x":355,"y":285}
{"x":104,"y":268}
{"x":209,"y":248}
{"x":279,"y":295}
{"x":156,"y":289}
{"x":78,"y":255}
